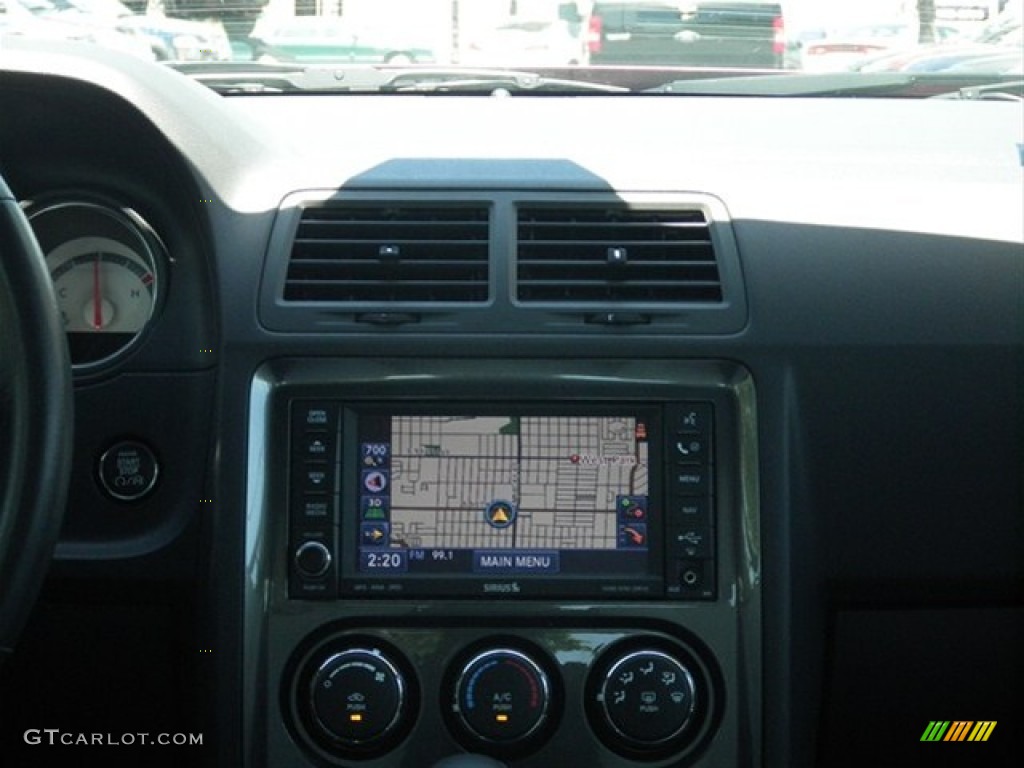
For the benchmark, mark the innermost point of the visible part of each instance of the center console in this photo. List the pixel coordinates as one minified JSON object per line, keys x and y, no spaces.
{"x":541,"y":561}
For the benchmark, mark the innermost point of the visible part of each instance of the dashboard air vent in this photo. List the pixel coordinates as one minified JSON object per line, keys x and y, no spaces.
{"x":390,"y":253}
{"x":616,"y":254}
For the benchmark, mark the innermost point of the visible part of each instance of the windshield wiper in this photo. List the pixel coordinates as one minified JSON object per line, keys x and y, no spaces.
{"x":258,"y":77}
{"x":846,"y":85}
{"x":1009,"y":90}
{"x":232,"y":77}
{"x":491,"y":81}
{"x":793,"y":84}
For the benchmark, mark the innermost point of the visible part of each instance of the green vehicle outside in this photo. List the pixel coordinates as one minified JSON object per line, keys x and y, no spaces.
{"x":319,"y":40}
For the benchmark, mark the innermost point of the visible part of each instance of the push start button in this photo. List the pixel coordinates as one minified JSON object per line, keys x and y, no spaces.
{"x":128,"y":470}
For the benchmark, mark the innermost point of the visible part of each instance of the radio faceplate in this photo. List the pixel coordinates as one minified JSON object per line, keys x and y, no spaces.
{"x":538,"y":499}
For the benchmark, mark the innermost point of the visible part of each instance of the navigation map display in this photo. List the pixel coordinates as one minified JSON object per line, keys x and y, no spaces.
{"x":499,"y":497}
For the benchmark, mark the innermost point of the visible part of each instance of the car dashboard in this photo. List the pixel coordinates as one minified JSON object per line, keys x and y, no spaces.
{"x":596,"y":429}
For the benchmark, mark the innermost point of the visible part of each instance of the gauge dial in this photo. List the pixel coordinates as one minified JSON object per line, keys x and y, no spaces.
{"x":104,"y":265}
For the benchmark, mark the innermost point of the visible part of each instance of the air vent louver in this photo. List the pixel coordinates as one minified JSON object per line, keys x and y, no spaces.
{"x":390,"y":253}
{"x":616,"y":254}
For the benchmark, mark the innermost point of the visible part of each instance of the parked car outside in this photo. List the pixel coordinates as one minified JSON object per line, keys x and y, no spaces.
{"x":46,"y":20}
{"x":1003,"y":39}
{"x":840,"y":49}
{"x":170,"y":39}
{"x":709,"y":33}
{"x":236,"y":16}
{"x":324,"y":40}
{"x":535,"y":42}
{"x":1006,"y":61}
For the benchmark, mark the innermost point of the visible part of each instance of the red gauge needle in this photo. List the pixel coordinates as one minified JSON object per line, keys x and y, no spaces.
{"x":97,"y":300}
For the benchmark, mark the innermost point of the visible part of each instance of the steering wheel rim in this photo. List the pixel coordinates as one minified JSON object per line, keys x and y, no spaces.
{"x":35,"y":420}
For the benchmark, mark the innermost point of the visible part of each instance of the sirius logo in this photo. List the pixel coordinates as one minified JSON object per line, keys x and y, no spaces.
{"x":502,"y":587}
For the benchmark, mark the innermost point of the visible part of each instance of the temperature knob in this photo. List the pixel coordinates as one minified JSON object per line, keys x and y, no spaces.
{"x":502,"y":697}
{"x":359,"y":699}
{"x":647,"y":698}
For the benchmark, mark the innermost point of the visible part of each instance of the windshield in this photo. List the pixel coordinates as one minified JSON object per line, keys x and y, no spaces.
{"x":608,"y":46}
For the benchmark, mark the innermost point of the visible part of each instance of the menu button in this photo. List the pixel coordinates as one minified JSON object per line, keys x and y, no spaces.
{"x":691,"y":479}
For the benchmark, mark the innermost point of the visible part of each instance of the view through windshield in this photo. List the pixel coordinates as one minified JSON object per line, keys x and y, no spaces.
{"x":803,"y":35}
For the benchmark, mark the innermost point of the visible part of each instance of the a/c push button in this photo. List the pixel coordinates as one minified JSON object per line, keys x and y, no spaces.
{"x":502,"y":697}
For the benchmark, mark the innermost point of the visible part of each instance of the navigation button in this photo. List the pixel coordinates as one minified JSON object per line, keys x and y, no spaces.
{"x":375,"y":454}
{"x":633,"y":536}
{"x":631,"y":509}
{"x":692,"y":510}
{"x":374,"y":507}
{"x":375,"y":480}
{"x":374,"y":534}
{"x":515,"y":561}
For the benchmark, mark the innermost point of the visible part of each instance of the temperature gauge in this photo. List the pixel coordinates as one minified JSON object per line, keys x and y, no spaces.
{"x":104,"y":265}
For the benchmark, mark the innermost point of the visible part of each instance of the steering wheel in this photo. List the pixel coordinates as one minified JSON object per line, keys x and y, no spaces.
{"x":35,"y":420}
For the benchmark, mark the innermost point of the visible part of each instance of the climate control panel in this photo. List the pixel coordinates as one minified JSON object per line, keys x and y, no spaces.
{"x":641,"y":694}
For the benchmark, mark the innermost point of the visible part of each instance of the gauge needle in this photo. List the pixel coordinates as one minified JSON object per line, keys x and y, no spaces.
{"x":97,"y":299}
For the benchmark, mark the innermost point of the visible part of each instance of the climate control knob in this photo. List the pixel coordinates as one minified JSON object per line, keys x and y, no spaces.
{"x":358,"y":699}
{"x":647,"y":699}
{"x":502,"y":697}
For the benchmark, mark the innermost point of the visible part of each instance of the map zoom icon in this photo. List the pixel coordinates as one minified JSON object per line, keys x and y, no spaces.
{"x":500,"y":514}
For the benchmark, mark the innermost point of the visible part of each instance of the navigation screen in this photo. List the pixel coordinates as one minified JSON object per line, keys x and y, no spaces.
{"x":503,"y":495}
